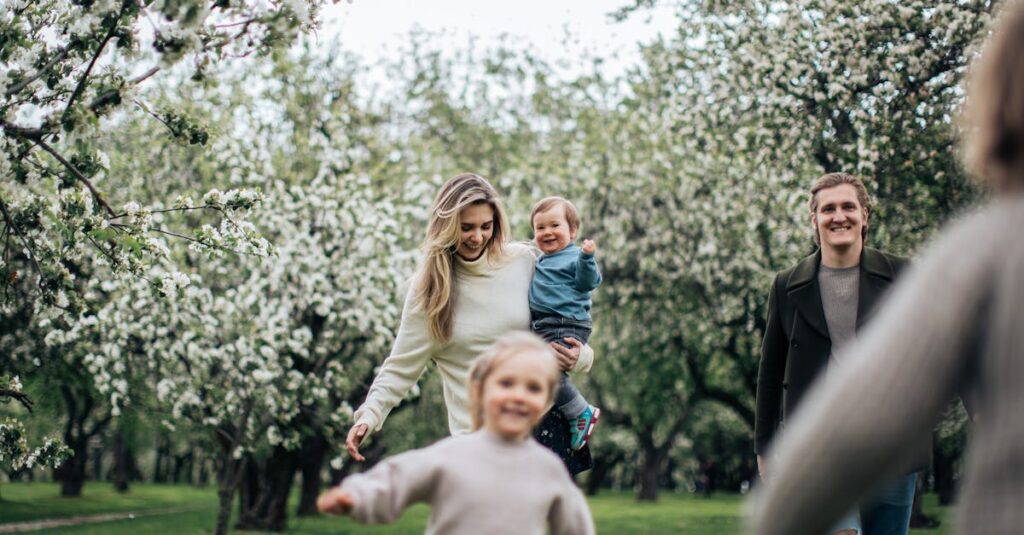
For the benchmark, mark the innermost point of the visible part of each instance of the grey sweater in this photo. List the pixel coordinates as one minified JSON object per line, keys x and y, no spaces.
{"x":839,"y":288}
{"x":475,"y":483}
{"x":955,"y":322}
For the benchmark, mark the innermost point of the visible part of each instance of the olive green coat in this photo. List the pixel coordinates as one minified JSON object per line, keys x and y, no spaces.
{"x":796,"y":344}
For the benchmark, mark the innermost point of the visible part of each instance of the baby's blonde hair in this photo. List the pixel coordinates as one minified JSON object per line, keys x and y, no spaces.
{"x":504,"y":349}
{"x":572,"y":216}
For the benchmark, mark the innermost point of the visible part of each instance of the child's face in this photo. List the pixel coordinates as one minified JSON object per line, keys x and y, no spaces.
{"x":515,"y":395}
{"x":551,"y":230}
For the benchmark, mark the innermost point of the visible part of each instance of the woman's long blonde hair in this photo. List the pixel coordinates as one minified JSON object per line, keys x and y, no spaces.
{"x":435,"y":282}
{"x":507,"y":347}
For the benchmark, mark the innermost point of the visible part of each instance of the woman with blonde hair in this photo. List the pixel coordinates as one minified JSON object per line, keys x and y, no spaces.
{"x":471,"y":289}
{"x":952,"y":325}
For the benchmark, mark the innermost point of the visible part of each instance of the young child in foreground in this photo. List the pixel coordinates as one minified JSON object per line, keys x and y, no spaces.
{"x":495,"y":480}
{"x":560,"y":299}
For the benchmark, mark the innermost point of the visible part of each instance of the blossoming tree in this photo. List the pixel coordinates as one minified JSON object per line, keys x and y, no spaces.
{"x":69,"y":69}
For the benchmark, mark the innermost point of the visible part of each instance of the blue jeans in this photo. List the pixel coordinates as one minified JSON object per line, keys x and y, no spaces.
{"x":888,"y":511}
{"x":850,"y":521}
{"x":552,"y":328}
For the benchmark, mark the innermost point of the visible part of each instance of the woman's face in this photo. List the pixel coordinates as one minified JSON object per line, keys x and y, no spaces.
{"x":477,"y":227}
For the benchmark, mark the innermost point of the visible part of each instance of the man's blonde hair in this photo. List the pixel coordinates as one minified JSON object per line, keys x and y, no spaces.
{"x":831,"y":180}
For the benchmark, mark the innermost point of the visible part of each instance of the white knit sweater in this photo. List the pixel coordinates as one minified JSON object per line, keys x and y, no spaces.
{"x":476,"y":483}
{"x":492,"y":301}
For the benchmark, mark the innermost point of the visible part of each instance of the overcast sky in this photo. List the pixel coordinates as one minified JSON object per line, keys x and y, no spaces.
{"x":376,"y":29}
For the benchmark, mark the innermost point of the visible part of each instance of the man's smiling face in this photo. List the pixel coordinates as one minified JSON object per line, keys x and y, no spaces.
{"x":839,"y":218}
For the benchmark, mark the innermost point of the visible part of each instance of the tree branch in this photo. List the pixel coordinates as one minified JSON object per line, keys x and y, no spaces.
{"x":11,"y":91}
{"x":191,"y":239}
{"x":102,"y":99}
{"x":184,"y":209}
{"x":74,"y":171}
{"x":88,"y":70}
{"x":24,"y":241}
{"x":21,"y":397}
{"x":142,"y":77}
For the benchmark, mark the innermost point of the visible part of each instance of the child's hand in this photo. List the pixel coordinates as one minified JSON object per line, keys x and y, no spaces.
{"x":589,"y":247}
{"x":335,"y":502}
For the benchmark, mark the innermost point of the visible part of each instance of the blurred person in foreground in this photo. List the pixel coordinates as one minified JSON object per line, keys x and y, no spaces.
{"x":956,"y":320}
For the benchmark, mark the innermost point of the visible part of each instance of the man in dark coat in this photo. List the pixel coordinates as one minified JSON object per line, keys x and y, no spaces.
{"x":816,"y":308}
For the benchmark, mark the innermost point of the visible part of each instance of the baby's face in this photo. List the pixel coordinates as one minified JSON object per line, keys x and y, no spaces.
{"x":551,"y":230}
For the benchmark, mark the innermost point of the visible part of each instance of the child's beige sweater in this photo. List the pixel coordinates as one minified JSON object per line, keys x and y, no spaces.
{"x":475,"y":483}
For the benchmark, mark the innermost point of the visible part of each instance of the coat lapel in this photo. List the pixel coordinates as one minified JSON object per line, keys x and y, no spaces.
{"x":803,"y":290}
{"x":876,"y":274}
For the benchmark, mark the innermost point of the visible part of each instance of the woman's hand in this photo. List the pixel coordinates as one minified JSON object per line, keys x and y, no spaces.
{"x":335,"y":502}
{"x":357,"y":434}
{"x":567,"y":356}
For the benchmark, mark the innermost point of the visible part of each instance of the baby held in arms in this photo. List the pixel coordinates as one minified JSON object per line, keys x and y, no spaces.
{"x":560,"y":299}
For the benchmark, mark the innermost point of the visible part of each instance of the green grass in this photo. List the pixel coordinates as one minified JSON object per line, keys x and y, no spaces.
{"x":614,"y":512}
{"x":33,"y":501}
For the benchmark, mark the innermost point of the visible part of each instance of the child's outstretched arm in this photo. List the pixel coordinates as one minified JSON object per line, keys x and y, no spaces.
{"x":335,"y":502}
{"x":588,"y":276}
{"x":381,"y":494}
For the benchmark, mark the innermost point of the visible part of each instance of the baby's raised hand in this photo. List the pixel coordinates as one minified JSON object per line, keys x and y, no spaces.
{"x":335,"y":502}
{"x":589,"y":246}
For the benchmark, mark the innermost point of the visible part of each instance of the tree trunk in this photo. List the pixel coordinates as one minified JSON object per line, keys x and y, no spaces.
{"x":944,"y":470}
{"x":121,"y":472}
{"x":224,"y":497}
{"x":602,"y":466}
{"x":228,"y":475}
{"x":187,"y":476}
{"x":97,"y":464}
{"x":204,"y":473}
{"x":311,"y":461}
{"x":651,"y":462}
{"x":264,"y":492}
{"x":163,"y":455}
{"x":182,"y":463}
{"x":919,"y":520}
{"x":71,"y":474}
{"x":79,"y":406}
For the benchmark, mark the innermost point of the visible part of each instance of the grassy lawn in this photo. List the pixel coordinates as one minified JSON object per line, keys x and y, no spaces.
{"x":614,"y":512}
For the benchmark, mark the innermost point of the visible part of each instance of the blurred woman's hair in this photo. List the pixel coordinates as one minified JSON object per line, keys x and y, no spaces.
{"x":993,"y":113}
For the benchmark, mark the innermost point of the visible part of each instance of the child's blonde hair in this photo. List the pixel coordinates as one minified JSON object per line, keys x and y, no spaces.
{"x":435,"y":286}
{"x":503,"y":350}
